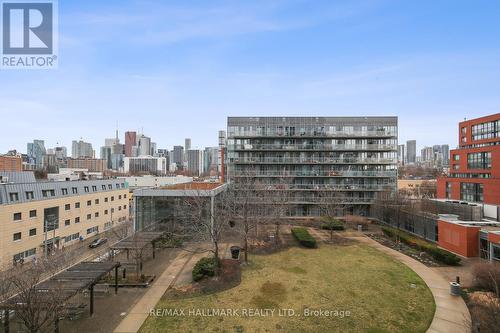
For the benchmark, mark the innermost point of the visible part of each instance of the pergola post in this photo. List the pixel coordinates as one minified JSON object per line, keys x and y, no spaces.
{"x":153,"y":243}
{"x":124,"y":273}
{"x":127,"y":253}
{"x":116,"y":280}
{"x":56,"y":325}
{"x":6,"y":319}
{"x":91,"y":300}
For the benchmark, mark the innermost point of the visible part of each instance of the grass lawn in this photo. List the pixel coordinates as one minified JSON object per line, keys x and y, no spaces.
{"x":381,"y":295}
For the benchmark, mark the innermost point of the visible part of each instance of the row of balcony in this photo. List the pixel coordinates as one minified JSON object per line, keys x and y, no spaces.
{"x":299,"y":160}
{"x":308,"y":200}
{"x":314,"y":134}
{"x":320,"y":147}
{"x":317,"y":174}
{"x":325,"y":187}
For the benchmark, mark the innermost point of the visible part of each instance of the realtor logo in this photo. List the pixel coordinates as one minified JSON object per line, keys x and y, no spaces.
{"x":28,"y":34}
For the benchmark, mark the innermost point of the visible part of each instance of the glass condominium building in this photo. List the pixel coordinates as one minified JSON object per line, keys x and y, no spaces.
{"x":350,"y":159}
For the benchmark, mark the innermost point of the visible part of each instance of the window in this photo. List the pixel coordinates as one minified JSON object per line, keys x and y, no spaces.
{"x":471,"y":192}
{"x":448,"y":190}
{"x":30,"y":195}
{"x":28,"y":253}
{"x":106,"y":199}
{"x":67,"y":223}
{"x":112,"y":210}
{"x":72,"y":237}
{"x":93,"y":229}
{"x":18,"y":216}
{"x":108,"y":225}
{"x":48,"y":193}
{"x":16,"y":236}
{"x":488,"y":130}
{"x":74,"y":190}
{"x":106,"y":212}
{"x":89,"y":216}
{"x":120,"y":197}
{"x":125,"y":196}
{"x":456,"y":157}
{"x":64,"y":191}
{"x":479,"y":160}
{"x":94,"y":188}
{"x":103,"y":187}
{"x":86,"y":189}
{"x":14,"y":196}
{"x":112,"y":198}
{"x":77,"y":219}
{"x":89,"y":203}
{"x":97,"y":214}
{"x":67,"y":207}
{"x":456,"y":167}
{"x":117,"y":186}
{"x":33,"y":232}
{"x":77,"y":205}
{"x":124,"y":206}
{"x":110,"y":187}
{"x":96,"y":201}
{"x":119,"y":208}
{"x":32,"y":213}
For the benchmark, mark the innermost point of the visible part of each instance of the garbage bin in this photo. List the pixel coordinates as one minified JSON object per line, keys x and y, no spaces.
{"x":360,"y":227}
{"x":455,"y":288}
{"x":235,"y":252}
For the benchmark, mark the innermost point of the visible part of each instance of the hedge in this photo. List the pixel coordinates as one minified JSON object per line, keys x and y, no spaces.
{"x":334,"y":226}
{"x":421,"y":245}
{"x":204,"y":267}
{"x":304,"y":237}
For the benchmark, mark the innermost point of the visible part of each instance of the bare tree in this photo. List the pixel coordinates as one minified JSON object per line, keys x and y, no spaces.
{"x":280,"y":198}
{"x":207,"y":214}
{"x":35,"y":306}
{"x":330,"y":205}
{"x":248,"y":210}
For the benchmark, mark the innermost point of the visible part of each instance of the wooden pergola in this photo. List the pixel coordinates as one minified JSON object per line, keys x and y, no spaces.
{"x":138,"y":241}
{"x":66,"y":284}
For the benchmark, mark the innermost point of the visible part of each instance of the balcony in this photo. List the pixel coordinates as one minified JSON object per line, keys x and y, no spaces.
{"x":325,"y":187}
{"x":313,"y":134}
{"x":299,"y":160}
{"x":316,"y":174}
{"x":311,"y":147}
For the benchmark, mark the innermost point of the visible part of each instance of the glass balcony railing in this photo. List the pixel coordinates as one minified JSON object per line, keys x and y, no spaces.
{"x":327,"y":147}
{"x":299,"y":160}
{"x":312,"y":133}
{"x":325,"y":187}
{"x":316,"y":174}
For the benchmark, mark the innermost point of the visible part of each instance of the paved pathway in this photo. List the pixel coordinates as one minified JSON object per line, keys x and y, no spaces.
{"x":452,"y":315}
{"x":177,"y":269}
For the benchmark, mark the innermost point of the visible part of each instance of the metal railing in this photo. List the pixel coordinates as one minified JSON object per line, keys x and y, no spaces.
{"x":299,"y":160}
{"x":316,"y":174}
{"x":319,"y":147}
{"x":316,"y":134}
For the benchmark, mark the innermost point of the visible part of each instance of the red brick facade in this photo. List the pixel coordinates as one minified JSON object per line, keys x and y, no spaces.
{"x":459,"y":167}
{"x":11,"y":164}
{"x":460,"y":239}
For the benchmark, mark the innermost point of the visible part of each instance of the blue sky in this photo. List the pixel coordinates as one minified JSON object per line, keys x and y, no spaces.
{"x":178,"y":68}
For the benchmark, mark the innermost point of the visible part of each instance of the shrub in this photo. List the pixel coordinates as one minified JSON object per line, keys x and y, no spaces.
{"x":333,"y":226}
{"x":330,"y":223}
{"x":204,"y":267}
{"x":422,"y":245}
{"x":304,"y":237}
{"x":487,"y":276}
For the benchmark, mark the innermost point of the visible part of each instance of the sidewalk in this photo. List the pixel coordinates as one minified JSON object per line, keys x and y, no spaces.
{"x":178,"y":270}
{"x":451,"y":313}
{"x":139,"y":313}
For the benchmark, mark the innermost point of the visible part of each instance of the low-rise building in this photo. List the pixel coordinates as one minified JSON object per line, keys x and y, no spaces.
{"x":11,"y":163}
{"x":152,"y":181}
{"x":37,"y":218}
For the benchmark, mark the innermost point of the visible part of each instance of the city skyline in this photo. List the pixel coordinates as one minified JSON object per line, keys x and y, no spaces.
{"x":180,"y":70}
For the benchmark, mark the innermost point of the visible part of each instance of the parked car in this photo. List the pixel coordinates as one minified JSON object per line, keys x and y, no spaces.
{"x":97,"y":242}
